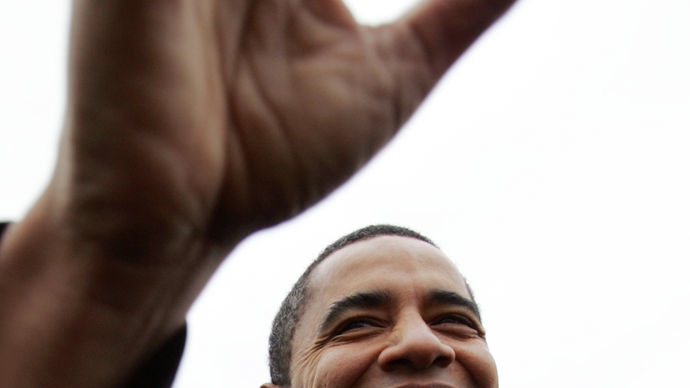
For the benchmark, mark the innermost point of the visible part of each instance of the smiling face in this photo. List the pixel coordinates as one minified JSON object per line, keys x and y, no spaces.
{"x":390,"y":311}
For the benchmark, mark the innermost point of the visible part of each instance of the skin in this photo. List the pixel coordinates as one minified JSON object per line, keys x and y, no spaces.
{"x":172,"y":109}
{"x":409,"y":339}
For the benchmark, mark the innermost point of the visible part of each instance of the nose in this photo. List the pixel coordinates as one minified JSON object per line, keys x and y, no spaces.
{"x":415,"y":345}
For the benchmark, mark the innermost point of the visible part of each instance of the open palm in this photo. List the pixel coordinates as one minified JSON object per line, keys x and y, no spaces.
{"x":232,"y":115}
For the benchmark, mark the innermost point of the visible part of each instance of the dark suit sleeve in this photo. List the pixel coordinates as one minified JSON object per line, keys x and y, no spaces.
{"x":160,"y":369}
{"x":3,"y":226}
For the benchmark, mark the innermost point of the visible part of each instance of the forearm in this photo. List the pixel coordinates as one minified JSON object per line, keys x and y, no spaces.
{"x":104,"y":267}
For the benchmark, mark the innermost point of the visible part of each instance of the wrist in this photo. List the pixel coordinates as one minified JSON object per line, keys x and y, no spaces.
{"x":76,"y":313}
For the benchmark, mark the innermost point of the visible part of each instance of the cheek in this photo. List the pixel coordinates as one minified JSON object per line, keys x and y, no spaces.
{"x":480,"y":364}
{"x":340,"y":366}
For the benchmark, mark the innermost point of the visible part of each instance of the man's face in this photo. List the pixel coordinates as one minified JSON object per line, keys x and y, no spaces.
{"x":390,"y":312}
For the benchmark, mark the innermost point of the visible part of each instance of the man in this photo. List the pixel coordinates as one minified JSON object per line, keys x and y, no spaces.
{"x":381,"y":307}
{"x":190,"y":125}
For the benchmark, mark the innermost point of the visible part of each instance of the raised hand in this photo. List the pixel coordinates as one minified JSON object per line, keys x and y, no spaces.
{"x":221,"y":117}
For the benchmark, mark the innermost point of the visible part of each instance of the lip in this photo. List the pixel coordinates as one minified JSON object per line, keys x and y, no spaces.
{"x":424,"y":385}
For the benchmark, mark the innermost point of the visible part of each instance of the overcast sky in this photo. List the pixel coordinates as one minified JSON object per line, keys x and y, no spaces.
{"x":552,"y":164}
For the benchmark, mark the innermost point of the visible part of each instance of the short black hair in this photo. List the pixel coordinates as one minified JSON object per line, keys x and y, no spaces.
{"x":292,"y":308}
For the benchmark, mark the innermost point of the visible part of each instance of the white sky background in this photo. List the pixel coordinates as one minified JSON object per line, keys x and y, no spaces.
{"x":552,"y":163}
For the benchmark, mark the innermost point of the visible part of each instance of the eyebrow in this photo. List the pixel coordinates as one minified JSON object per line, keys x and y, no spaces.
{"x":375,"y":299}
{"x":454,"y":299}
{"x":359,"y":301}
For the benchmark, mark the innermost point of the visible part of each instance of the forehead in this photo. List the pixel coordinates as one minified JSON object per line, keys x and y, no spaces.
{"x":386,"y":263}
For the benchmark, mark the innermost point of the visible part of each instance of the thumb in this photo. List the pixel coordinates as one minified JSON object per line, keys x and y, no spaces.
{"x":420,"y":46}
{"x":446,"y":28}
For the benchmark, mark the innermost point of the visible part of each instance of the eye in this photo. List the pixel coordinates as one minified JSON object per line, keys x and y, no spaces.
{"x":454,"y":319}
{"x":458,"y":324}
{"x":355,"y":324}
